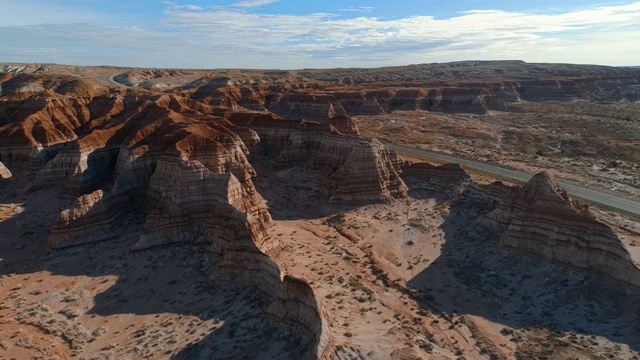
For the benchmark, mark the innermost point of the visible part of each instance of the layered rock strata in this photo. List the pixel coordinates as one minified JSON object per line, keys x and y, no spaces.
{"x":353,"y":170}
{"x":193,"y":184}
{"x":91,"y":218}
{"x":444,"y":181}
{"x":540,"y":220}
{"x":178,"y":164}
{"x":303,"y":106}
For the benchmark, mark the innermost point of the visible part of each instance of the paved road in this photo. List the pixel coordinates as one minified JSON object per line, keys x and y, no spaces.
{"x":595,"y":196}
{"x":108,"y":79}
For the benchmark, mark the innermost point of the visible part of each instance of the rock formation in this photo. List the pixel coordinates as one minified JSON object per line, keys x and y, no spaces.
{"x":90,"y":219}
{"x":540,"y":220}
{"x":312,"y":106}
{"x":536,"y":220}
{"x":353,"y":170}
{"x":553,"y":226}
{"x":444,"y":181}
{"x":356,"y":103}
{"x":192,"y":183}
{"x":164,"y":167}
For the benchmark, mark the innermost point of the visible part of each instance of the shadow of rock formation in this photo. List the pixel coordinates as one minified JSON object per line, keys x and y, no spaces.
{"x":529,"y":257}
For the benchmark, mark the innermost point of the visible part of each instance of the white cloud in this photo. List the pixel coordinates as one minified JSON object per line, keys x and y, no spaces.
{"x":17,"y":13}
{"x":254,"y":3}
{"x":363,"y":9}
{"x":177,"y":7}
{"x":321,"y":37}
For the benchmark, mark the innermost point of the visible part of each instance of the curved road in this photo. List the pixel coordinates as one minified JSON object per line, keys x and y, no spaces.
{"x":108,"y":79}
{"x":595,"y":196}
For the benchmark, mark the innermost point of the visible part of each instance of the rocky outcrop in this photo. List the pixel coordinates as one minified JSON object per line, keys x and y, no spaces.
{"x":456,"y":100}
{"x":542,"y":221}
{"x":91,"y":218}
{"x":83,"y":165}
{"x":612,"y":88}
{"x":189,"y":203}
{"x":190,"y":182}
{"x":306,"y":106}
{"x":369,"y":174}
{"x":355,"y":103}
{"x":344,"y":125}
{"x":440,"y":182}
{"x":352,"y":170}
{"x":298,"y":306}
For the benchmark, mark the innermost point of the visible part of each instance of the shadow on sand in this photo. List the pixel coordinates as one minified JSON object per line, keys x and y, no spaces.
{"x":477,"y":278}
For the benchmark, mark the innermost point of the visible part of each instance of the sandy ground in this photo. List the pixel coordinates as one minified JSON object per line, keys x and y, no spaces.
{"x":380,"y":273}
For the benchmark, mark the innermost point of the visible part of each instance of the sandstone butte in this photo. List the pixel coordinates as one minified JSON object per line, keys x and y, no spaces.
{"x":184,"y":159}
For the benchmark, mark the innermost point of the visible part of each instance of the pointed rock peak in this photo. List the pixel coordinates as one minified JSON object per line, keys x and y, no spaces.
{"x":4,"y":172}
{"x":542,"y":177}
{"x":453,"y":167}
{"x":543,"y":187}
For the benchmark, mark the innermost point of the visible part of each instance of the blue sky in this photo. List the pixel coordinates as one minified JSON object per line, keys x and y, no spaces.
{"x":291,"y":34}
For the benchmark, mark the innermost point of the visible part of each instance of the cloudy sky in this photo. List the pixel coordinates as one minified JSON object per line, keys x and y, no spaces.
{"x":289,"y":34}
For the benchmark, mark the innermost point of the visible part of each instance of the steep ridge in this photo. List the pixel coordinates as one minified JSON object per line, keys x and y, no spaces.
{"x":475,"y":87}
{"x":477,"y":98}
{"x":311,"y":106}
{"x":166,"y":161}
{"x":357,"y":103}
{"x":194,"y":183}
{"x":567,"y":234}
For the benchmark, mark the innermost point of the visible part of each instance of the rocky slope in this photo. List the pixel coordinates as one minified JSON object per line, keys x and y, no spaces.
{"x":540,"y":220}
{"x":352,"y":170}
{"x":536,"y":220}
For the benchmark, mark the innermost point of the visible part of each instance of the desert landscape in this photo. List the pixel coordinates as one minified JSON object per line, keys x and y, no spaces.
{"x":261,"y":214}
